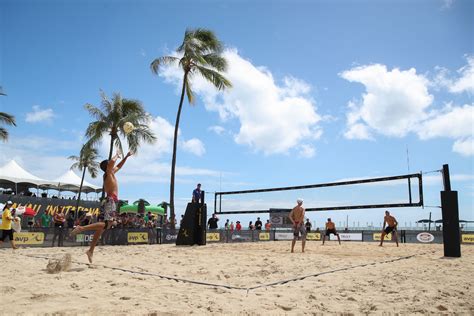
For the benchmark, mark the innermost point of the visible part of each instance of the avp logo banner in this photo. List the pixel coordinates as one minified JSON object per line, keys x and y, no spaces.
{"x":28,"y":238}
{"x":213,"y":237}
{"x":137,"y":238}
{"x":313,"y":236}
{"x":264,"y":236}
{"x":468,"y":238}
{"x":378,"y":236}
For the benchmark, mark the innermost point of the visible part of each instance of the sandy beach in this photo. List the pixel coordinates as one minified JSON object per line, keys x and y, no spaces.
{"x":357,"y":278}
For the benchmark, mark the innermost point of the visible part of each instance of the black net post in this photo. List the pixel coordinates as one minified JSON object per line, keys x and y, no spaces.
{"x":450,"y":213}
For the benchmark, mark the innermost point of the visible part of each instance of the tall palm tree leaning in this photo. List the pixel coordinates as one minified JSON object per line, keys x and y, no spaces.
{"x":86,"y":161}
{"x":110,"y":118}
{"x":201,"y":53}
{"x":7,"y":119}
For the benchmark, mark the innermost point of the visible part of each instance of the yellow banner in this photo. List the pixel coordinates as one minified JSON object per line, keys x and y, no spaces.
{"x":378,"y":236}
{"x":213,"y":237}
{"x":313,"y":236}
{"x":468,"y":238}
{"x":264,"y":236}
{"x":137,"y":237}
{"x":28,"y":238}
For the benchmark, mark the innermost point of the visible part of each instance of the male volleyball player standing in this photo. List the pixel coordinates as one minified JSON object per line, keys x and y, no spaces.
{"x":110,"y":206}
{"x":297,"y":219}
{"x":391,"y":223}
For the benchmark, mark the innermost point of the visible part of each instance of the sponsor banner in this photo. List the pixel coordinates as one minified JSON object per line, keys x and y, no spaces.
{"x":467,"y":238}
{"x":84,"y":237}
{"x":279,"y":218}
{"x":283,"y":236}
{"x":28,"y":238}
{"x":171,"y":237}
{"x":349,"y":237}
{"x":41,"y":205}
{"x":137,"y":238}
{"x":425,"y":237}
{"x":213,"y":237}
{"x":313,"y":236}
{"x":264,"y":236}
{"x":378,"y":236}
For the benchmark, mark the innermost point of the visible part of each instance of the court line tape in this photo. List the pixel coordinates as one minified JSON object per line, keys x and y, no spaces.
{"x":231,"y":287}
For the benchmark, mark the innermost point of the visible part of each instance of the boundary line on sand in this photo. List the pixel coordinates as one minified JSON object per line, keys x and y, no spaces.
{"x":231,"y":287}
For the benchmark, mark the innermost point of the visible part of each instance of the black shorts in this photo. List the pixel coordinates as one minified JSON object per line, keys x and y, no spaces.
{"x":389,"y":229}
{"x":6,"y":233}
{"x":331,"y":231}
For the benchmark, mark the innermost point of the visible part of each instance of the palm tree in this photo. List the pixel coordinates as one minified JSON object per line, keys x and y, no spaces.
{"x":111,"y":118}
{"x":87,"y":160}
{"x":201,"y":55}
{"x":7,"y":119}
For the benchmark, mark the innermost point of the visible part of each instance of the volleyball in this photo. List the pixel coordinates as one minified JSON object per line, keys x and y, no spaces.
{"x":128,"y":127}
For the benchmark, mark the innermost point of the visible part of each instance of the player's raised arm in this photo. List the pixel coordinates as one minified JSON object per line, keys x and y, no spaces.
{"x":121,"y":163}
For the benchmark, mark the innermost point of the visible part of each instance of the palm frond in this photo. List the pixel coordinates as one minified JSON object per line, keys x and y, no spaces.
{"x":3,"y":134}
{"x":218,"y":80}
{"x":189,"y":91}
{"x":97,"y":129}
{"x":161,"y":61}
{"x":106,"y":104}
{"x":95,"y":112}
{"x":209,"y":41}
{"x":6,"y":118}
{"x":215,"y":61}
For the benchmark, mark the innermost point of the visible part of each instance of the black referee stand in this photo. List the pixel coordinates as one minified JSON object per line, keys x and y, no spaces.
{"x":192,"y":230}
{"x":450,"y":213}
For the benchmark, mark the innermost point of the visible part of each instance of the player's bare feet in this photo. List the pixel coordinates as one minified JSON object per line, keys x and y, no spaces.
{"x":89,"y":255}
{"x":77,"y":230}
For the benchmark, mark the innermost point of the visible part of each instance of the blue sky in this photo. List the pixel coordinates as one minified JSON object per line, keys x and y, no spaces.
{"x":323,"y":91}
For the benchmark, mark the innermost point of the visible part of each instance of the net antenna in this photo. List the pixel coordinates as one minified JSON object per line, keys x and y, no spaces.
{"x":218,"y":196}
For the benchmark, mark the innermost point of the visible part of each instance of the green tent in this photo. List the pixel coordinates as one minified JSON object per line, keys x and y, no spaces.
{"x":133,"y":208}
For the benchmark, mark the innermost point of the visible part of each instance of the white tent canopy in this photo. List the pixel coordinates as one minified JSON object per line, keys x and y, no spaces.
{"x":69,"y":181}
{"x":12,"y":173}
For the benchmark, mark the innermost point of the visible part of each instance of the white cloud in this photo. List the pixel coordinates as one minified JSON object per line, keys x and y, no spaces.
{"x":307,"y":151}
{"x":39,"y":115}
{"x":397,"y":102}
{"x":194,"y":146}
{"x":466,"y":80}
{"x":447,"y":4}
{"x":274,"y":118}
{"x":464,"y":146}
{"x":219,"y":130}
{"x":463,"y":82}
{"x":452,"y":122}
{"x":393,"y":102}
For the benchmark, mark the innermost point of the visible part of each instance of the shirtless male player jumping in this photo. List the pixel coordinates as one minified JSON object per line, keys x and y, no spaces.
{"x":109,"y":209}
{"x":297,"y":219}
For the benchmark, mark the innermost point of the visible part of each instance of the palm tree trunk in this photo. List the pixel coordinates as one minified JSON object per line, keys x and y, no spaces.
{"x":111,"y":146}
{"x":80,"y":190}
{"x":173,"y":160}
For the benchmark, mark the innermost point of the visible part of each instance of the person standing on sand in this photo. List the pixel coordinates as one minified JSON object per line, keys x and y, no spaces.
{"x":6,"y":226}
{"x":106,"y":218}
{"x":391,"y":223}
{"x":297,"y":219}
